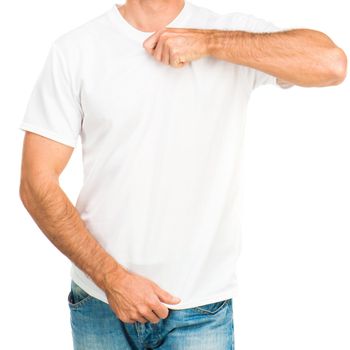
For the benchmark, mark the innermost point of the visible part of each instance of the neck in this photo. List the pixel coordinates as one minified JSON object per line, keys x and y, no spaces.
{"x":150,"y":15}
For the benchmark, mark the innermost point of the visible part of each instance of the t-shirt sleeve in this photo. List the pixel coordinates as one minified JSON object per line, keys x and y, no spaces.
{"x":53,"y":109}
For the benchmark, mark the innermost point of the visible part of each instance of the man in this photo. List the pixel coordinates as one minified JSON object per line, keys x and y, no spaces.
{"x":155,"y":236}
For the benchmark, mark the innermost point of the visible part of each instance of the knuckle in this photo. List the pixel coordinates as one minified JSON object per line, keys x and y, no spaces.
{"x":169,"y":42}
{"x":124,"y":319}
{"x":160,"y":41}
{"x":167,"y":46}
{"x":165,"y":32}
{"x":153,"y":304}
{"x":142,"y":309}
{"x":133,"y":315}
{"x":165,"y":314}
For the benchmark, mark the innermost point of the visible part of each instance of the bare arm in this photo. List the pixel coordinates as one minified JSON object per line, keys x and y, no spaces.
{"x":42,"y":163}
{"x":131,"y":296}
{"x":303,"y":57}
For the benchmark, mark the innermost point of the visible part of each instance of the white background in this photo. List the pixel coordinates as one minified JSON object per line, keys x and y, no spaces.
{"x":294,"y":268}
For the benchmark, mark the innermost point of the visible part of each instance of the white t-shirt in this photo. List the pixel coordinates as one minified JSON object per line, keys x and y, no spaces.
{"x":161,"y":149}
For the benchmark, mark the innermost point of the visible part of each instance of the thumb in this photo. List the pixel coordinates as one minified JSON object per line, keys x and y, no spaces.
{"x":166,"y":297}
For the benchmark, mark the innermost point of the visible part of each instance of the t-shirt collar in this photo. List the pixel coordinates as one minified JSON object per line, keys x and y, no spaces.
{"x":139,"y":35}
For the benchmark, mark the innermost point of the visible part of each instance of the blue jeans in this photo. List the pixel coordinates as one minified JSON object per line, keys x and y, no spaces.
{"x":95,"y":326}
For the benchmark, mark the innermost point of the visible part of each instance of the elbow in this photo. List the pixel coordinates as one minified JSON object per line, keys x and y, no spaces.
{"x":29,"y":186}
{"x":337,"y":66}
{"x":24,"y":192}
{"x":34,"y":188}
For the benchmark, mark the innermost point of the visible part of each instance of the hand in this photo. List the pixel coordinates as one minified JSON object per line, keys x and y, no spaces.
{"x":178,"y":46}
{"x":136,"y":298}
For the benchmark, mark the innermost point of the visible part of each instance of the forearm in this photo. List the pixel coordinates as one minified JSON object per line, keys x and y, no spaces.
{"x":301,"y":56}
{"x":61,"y":223}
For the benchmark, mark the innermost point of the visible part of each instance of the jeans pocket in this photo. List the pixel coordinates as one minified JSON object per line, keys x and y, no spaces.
{"x":77,"y":296}
{"x":212,"y":308}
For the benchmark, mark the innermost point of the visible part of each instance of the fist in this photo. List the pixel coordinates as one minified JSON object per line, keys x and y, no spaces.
{"x":178,"y":46}
{"x":133,"y":297}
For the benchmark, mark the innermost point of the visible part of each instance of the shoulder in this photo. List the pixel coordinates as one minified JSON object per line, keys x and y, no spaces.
{"x":201,"y":16}
{"x":248,"y":22}
{"x":83,"y":34}
{"x":232,"y":20}
{"x":208,"y":18}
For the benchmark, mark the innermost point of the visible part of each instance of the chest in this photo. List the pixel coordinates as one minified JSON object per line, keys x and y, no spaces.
{"x":123,"y":86}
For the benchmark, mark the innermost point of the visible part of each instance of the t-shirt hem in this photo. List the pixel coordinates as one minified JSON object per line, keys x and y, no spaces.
{"x":233,"y":293}
{"x":47,"y":133}
{"x":212,"y":299}
{"x":101,"y":296}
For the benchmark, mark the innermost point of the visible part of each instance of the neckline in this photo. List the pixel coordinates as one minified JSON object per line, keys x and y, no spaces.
{"x":137,"y":34}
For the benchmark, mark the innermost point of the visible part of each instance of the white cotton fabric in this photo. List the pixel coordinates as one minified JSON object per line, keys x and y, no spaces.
{"x":161,"y":149}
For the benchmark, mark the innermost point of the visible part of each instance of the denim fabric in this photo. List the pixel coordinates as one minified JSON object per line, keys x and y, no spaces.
{"x":95,"y":326}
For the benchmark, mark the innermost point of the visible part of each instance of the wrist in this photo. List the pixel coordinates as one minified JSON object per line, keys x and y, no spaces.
{"x":210,"y":42}
{"x":115,"y":274}
{"x":224,"y":44}
{"x":215,"y":39}
{"x":109,"y":270}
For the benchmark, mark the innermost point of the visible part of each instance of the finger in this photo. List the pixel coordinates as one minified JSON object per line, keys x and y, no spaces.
{"x":141,"y":319}
{"x":183,"y":64}
{"x":176,"y":61}
{"x":165,"y":54}
{"x":151,"y":316}
{"x":160,"y":310}
{"x":157,"y":53}
{"x":172,"y":61}
{"x":166,"y":297}
{"x":151,"y":42}
{"x":147,"y":312}
{"x":131,"y":320}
